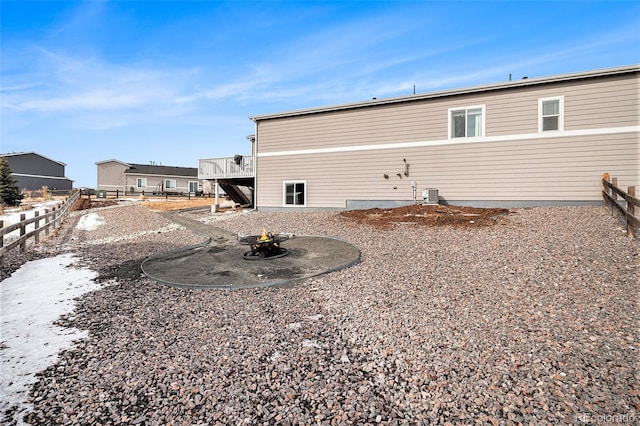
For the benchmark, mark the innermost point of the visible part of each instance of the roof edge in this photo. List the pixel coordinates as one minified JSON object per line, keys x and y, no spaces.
{"x":161,"y":165}
{"x":113,"y":160}
{"x":34,"y":153}
{"x":453,"y":92}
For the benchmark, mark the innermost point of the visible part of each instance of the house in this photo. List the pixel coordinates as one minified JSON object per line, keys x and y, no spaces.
{"x":137,"y":178}
{"x":535,"y":141}
{"x":32,"y":171}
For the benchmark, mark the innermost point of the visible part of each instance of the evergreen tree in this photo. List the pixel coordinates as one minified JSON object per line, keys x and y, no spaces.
{"x":9,"y":192}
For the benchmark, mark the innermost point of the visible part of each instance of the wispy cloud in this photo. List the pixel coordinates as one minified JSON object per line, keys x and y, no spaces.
{"x":346,"y":61}
{"x":69,"y":84}
{"x":304,"y":66}
{"x":80,"y":18}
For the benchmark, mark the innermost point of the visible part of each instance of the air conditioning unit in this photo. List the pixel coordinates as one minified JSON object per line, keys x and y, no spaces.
{"x":430,"y":196}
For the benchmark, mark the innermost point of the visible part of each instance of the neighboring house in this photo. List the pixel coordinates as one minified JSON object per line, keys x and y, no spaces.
{"x":149,"y":178}
{"x":537,"y":141}
{"x":32,"y":171}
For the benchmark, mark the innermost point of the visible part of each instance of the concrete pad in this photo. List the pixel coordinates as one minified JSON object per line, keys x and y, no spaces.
{"x":218,"y":262}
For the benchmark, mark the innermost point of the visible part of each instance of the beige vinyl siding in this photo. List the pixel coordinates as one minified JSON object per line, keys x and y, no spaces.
{"x":111,"y":176}
{"x":154,"y":182}
{"x":609,"y":104}
{"x":557,"y":169}
{"x":519,"y":164}
{"x":605,"y":103}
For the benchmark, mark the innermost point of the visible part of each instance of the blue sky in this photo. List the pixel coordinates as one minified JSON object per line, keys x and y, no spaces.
{"x":175,"y":81}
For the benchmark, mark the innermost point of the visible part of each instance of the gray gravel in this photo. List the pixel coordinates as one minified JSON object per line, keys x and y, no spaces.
{"x":532,"y":321}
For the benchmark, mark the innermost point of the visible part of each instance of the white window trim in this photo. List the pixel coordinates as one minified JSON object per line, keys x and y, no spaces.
{"x":560,"y":115}
{"x":483,"y":107}
{"x":284,"y":193}
{"x":175,"y":184}
{"x":144,"y":181}
{"x":196,"y":183}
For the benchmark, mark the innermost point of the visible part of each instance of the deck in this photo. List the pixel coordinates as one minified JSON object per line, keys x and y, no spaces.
{"x":226,"y":167}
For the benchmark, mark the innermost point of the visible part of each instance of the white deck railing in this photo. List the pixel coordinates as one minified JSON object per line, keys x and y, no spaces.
{"x":225,"y":168}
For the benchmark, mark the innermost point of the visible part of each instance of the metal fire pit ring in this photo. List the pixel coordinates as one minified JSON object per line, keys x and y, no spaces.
{"x":265,"y":246}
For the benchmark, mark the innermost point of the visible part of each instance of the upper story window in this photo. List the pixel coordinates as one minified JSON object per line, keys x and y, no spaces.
{"x":466,"y":122}
{"x":551,"y":114}
{"x":295,"y":194}
{"x":141,"y":182}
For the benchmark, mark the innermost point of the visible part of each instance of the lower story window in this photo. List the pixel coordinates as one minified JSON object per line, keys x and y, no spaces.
{"x":169,"y":184}
{"x":141,"y":182}
{"x":193,"y":186}
{"x":295,"y":193}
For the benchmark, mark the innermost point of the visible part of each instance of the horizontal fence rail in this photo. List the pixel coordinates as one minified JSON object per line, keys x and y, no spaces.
{"x":163,"y":194}
{"x":610,"y":194}
{"x":51,"y":219}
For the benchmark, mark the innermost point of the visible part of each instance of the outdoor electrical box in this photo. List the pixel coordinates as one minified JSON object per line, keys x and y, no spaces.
{"x":101,"y":194}
{"x":430,"y":196}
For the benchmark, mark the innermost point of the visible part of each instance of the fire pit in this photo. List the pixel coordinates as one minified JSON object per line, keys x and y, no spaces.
{"x":265,"y":246}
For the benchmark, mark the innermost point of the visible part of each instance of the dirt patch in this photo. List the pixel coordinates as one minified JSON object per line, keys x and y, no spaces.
{"x":86,"y":203}
{"x":427,"y":215}
{"x":163,"y":206}
{"x":130,"y":270}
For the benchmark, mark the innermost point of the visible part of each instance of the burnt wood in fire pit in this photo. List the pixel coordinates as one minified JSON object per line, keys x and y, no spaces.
{"x":265,"y":246}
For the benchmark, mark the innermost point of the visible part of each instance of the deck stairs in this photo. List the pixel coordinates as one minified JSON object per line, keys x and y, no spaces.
{"x":239,"y":193}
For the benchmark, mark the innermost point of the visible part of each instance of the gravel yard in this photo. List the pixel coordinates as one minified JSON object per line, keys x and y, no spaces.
{"x":532,"y":320}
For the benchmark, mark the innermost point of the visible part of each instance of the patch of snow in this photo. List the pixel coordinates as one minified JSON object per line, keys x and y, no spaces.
{"x":12,"y":216}
{"x":308,"y":343}
{"x":90,"y":221}
{"x":31,"y":300}
{"x":275,"y":356}
{"x":315,"y":317}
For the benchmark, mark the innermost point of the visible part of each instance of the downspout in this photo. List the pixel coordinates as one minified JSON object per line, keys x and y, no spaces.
{"x":254,"y":153}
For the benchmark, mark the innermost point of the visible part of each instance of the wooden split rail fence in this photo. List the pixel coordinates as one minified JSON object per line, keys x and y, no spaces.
{"x":51,"y":219}
{"x":610,"y":195}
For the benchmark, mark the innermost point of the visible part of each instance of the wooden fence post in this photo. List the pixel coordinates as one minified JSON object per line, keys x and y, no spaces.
{"x":631,"y":190}
{"x":54,"y":222}
{"x":614,"y":195}
{"x":605,"y":199}
{"x":46,"y":221}
{"x":36,"y":225}
{"x":23,"y":230}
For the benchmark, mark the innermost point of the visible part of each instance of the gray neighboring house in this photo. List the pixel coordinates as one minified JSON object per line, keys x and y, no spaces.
{"x":149,"y":178}
{"x":32,"y":171}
